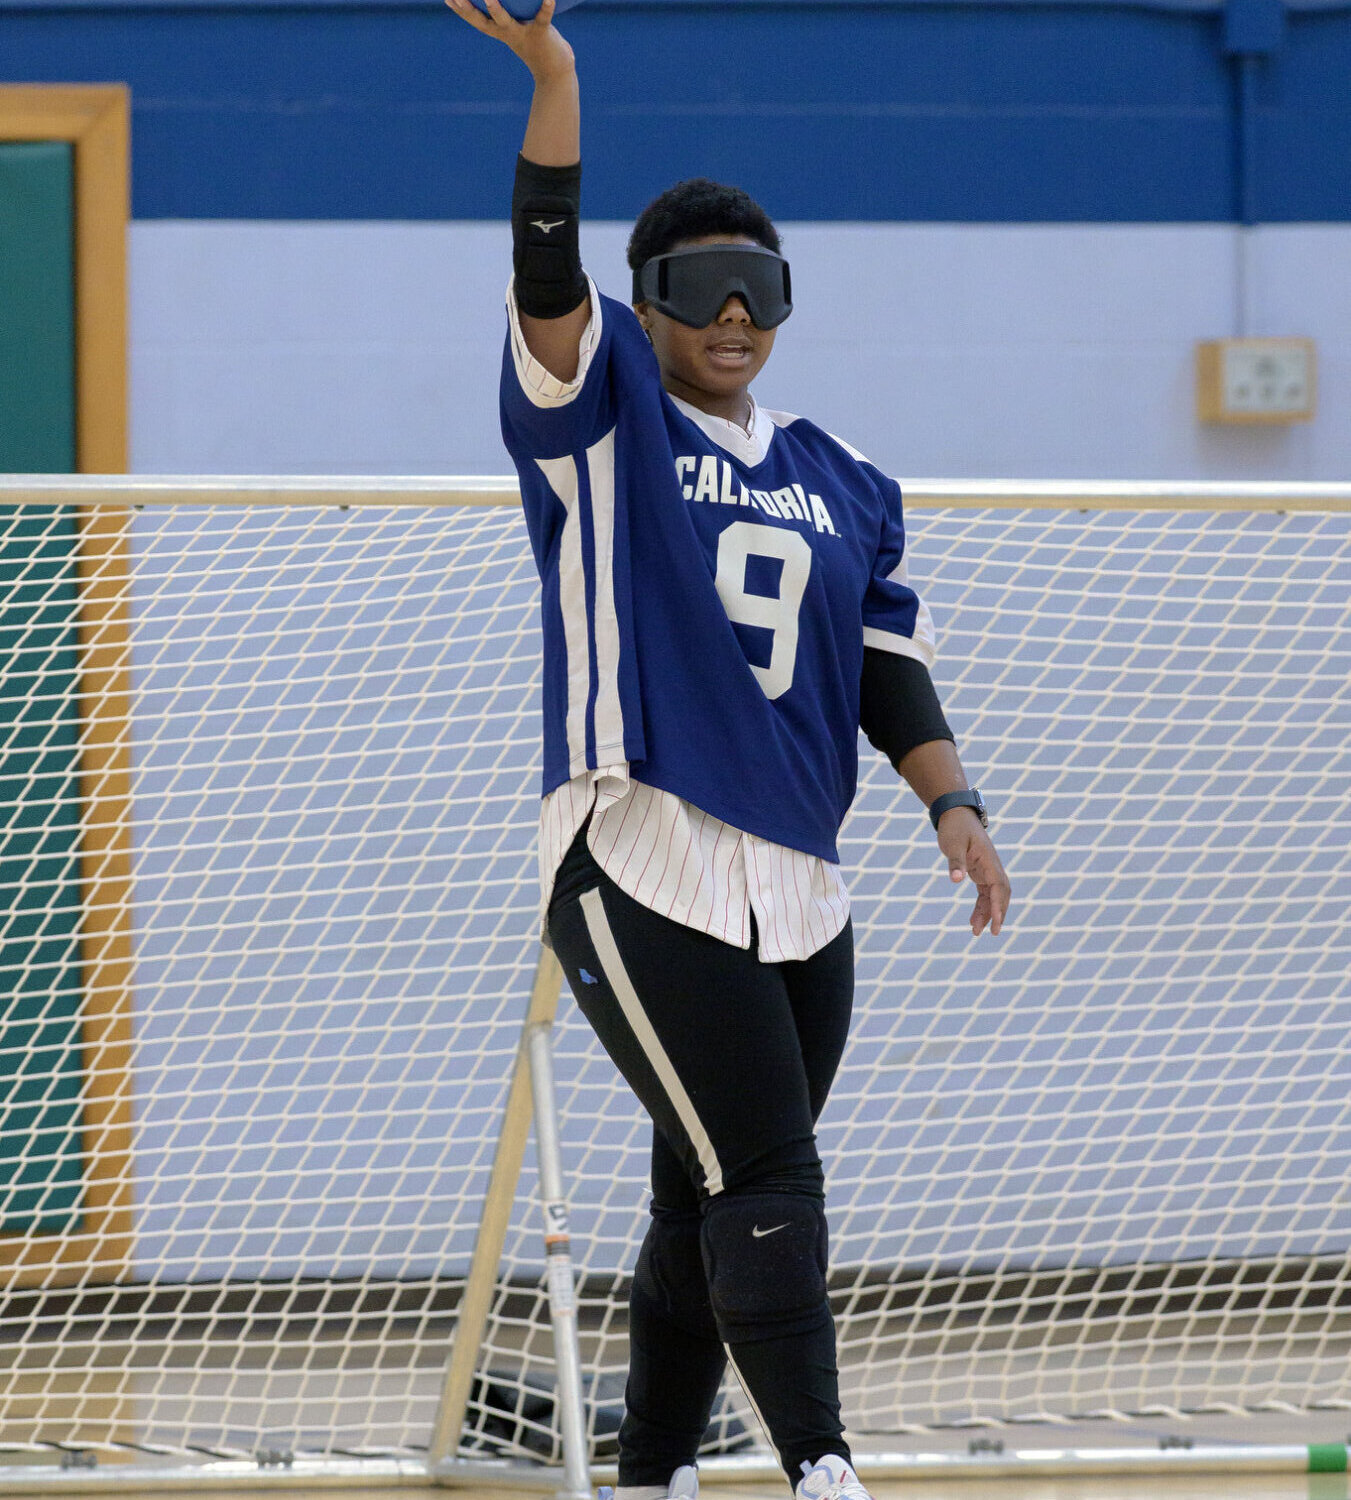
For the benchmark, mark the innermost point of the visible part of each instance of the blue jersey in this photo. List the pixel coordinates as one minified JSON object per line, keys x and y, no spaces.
{"x":705,"y":609}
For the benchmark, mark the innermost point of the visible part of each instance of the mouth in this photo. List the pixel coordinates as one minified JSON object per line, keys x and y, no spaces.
{"x":730,"y":354}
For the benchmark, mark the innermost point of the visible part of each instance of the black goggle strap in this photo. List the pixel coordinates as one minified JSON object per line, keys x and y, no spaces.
{"x":706,"y":275}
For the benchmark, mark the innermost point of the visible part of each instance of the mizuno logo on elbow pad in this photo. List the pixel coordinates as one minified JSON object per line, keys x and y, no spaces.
{"x":545,"y":228}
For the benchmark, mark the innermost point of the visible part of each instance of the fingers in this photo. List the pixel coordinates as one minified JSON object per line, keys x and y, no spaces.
{"x":994,"y":892}
{"x":970,"y":852}
{"x":985,"y":914}
{"x":472,"y":14}
{"x":498,"y":19}
{"x":1000,"y":904}
{"x":978,"y":859}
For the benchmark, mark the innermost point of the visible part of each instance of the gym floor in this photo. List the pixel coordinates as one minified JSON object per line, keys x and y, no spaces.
{"x":1149,"y":1434}
{"x":1138,"y":1487}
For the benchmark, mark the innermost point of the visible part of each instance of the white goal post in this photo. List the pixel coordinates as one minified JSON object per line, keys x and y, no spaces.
{"x":274,"y":1001}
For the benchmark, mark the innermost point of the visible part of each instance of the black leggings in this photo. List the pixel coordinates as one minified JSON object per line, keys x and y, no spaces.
{"x":733,"y":1059}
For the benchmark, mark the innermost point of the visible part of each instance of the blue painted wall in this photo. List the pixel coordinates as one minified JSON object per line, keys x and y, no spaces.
{"x":1017,"y":112}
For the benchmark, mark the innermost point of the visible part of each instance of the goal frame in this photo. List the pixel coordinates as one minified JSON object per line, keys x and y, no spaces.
{"x":102,"y":501}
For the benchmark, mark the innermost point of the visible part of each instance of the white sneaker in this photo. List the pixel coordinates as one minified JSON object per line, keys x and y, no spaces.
{"x":684,"y":1485}
{"x":830,"y":1479}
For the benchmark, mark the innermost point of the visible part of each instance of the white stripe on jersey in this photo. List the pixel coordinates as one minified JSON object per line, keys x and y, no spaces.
{"x":562,"y":476}
{"x":923,"y":645}
{"x":700,"y":872}
{"x":600,"y":465}
{"x":920,"y":646}
{"x":545,"y":389}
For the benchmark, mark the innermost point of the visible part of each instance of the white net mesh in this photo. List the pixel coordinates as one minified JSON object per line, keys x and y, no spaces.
{"x":1097,"y":1166}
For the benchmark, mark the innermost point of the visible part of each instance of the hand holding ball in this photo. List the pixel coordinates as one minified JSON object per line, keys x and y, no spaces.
{"x":527,"y":29}
{"x":521,"y":10}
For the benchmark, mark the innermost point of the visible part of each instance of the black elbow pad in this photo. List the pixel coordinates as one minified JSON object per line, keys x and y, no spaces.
{"x":545,"y":210}
{"x":898,"y":707}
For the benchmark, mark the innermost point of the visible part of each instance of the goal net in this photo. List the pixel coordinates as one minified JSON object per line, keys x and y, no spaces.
{"x":268,"y":793}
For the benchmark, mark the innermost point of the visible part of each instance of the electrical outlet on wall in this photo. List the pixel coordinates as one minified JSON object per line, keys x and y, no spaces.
{"x":1255,"y":380}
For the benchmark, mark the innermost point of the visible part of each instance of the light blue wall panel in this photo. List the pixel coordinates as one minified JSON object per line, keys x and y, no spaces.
{"x":1009,"y":350}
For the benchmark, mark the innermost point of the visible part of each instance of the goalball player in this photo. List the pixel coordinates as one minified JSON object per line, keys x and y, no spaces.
{"x":725,"y":604}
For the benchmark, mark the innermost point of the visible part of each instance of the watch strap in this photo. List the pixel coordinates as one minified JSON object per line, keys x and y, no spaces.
{"x":969,"y":798}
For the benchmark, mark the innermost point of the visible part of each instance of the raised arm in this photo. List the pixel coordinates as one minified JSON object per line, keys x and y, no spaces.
{"x":551,"y":293}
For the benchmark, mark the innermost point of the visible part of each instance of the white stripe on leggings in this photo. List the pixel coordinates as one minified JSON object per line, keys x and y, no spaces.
{"x":741,"y":1380}
{"x":612,"y":966}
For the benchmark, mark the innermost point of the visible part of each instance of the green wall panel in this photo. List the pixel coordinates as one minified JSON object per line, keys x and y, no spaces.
{"x":40,"y":1061}
{"x":37,"y":308}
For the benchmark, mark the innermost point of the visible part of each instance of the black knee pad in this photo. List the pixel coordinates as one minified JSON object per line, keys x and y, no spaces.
{"x":670,"y":1275}
{"x":765,"y":1257}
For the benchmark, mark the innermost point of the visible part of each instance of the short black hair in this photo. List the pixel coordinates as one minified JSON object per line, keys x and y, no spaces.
{"x":696,"y":207}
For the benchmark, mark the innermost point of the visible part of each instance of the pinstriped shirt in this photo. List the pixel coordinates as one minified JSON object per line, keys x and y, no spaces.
{"x":690,"y":867}
{"x":658,"y":848}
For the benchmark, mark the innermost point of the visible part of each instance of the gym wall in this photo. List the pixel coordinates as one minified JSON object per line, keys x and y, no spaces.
{"x":1009,"y":222}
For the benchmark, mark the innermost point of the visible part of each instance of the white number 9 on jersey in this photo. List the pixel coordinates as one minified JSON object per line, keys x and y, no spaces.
{"x":744,"y":539}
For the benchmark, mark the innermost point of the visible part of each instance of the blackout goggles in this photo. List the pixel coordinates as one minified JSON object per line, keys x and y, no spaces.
{"x":692,"y":285}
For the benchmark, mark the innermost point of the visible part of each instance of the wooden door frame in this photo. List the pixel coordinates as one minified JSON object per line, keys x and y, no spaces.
{"x":95,"y":119}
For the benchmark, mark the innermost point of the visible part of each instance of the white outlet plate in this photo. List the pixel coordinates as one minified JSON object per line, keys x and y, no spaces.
{"x":1255,"y":380}
{"x":1266,"y":375}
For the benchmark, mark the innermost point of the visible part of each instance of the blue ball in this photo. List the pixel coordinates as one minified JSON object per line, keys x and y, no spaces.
{"x":524,"y":10}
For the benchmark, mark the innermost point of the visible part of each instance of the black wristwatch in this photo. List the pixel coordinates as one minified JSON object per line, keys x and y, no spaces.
{"x":971,"y":798}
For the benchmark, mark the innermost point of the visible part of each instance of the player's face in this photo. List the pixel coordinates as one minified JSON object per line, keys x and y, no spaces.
{"x":710,"y":367}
